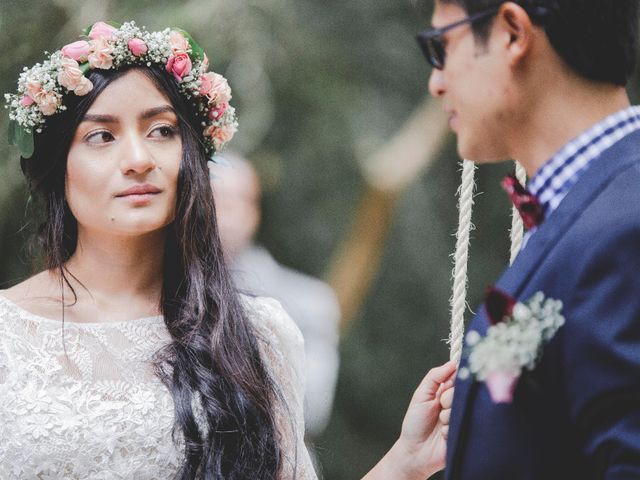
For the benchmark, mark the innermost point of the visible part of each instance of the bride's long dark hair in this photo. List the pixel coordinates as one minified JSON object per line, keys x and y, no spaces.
{"x":212,"y":364}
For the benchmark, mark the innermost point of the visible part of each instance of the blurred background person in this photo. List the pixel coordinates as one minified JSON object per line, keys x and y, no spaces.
{"x":310,"y":302}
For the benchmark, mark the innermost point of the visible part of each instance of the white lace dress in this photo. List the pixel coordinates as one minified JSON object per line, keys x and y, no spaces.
{"x":98,"y":411}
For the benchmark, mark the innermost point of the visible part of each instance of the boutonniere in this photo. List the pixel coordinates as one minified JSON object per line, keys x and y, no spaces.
{"x":513,"y":342}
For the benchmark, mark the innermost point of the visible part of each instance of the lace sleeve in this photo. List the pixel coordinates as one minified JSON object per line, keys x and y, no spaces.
{"x":282,"y":346}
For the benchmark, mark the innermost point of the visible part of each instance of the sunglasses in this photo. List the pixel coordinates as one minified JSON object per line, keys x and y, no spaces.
{"x":432,"y":43}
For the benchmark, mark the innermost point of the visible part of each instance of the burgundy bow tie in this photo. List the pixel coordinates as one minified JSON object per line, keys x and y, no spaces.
{"x":525,"y":202}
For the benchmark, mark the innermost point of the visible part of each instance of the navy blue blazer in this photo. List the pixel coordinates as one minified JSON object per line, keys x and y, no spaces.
{"x":577,"y":414}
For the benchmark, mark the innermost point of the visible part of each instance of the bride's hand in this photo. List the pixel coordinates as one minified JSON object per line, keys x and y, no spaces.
{"x":446,"y":400}
{"x":426,"y":423}
{"x":420,"y":450}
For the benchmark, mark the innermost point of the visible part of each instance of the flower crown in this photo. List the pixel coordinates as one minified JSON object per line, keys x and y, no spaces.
{"x":42,"y":87}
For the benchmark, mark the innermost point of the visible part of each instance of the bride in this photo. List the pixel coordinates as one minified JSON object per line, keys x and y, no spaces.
{"x":131,"y":355}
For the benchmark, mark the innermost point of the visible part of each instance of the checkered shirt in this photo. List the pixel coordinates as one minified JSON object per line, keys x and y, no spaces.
{"x":554,"y":179}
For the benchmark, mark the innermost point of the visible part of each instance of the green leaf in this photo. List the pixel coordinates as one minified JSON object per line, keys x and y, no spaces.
{"x":197,"y":52}
{"x":85,"y":67}
{"x":12,"y":131}
{"x":22,"y":139}
{"x":25,"y":143}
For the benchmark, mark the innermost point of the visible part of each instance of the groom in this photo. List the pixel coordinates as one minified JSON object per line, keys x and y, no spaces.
{"x":543,"y":82}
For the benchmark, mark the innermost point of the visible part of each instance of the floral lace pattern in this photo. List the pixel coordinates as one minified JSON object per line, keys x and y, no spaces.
{"x":90,"y":407}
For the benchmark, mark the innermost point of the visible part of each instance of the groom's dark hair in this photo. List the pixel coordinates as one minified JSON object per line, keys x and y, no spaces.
{"x":596,"y":38}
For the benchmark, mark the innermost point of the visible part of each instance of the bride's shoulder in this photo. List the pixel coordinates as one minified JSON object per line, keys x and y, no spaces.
{"x":269,"y":317}
{"x":36,"y":294}
{"x":273,"y":324}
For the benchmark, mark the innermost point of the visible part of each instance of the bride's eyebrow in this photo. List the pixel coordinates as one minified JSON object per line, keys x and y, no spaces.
{"x":99,"y":118}
{"x":150,"y":113}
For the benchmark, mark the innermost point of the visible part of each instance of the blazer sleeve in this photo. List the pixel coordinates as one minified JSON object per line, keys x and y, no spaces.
{"x":601,"y":354}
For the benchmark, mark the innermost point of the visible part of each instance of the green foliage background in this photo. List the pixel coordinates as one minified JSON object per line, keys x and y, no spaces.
{"x":319,"y":86}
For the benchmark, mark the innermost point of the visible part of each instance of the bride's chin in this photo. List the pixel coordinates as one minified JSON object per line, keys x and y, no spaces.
{"x":125,"y":229}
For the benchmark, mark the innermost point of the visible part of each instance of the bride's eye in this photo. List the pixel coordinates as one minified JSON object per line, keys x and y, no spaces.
{"x":99,"y":137}
{"x":164,"y":131}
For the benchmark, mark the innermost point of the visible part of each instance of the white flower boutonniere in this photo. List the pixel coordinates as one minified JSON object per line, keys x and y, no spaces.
{"x":513,"y":342}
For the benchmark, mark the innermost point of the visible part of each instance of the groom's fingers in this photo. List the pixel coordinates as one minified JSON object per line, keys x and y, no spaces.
{"x":428,"y":388}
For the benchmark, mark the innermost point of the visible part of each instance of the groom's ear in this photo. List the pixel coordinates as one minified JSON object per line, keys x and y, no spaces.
{"x":516,"y":32}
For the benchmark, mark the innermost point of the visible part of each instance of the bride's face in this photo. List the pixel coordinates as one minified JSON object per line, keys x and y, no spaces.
{"x":123,"y":164}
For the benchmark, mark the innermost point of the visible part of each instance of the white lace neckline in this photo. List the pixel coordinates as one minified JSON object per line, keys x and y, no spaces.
{"x":23,"y":313}
{"x":90,"y":406}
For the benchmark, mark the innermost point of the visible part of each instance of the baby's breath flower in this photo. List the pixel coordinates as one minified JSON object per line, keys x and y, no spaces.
{"x":515,"y":344}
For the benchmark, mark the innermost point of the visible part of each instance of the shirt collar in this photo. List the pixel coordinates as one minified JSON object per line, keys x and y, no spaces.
{"x":555,"y":178}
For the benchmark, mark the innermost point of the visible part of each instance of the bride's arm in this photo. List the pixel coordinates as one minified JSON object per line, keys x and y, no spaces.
{"x":420,"y":450}
{"x":282,"y":347}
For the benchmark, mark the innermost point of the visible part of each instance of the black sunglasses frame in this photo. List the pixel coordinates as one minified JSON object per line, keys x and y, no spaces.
{"x":431,"y":43}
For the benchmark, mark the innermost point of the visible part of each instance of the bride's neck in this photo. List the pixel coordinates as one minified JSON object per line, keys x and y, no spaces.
{"x":119,"y":267}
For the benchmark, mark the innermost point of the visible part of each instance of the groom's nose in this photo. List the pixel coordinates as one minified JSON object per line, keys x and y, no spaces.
{"x":436,"y":83}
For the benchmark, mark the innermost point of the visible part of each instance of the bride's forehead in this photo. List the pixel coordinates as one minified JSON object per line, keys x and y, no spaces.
{"x":133,"y":91}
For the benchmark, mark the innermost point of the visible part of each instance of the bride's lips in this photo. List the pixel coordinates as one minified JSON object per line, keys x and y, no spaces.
{"x":452,"y":119}
{"x":139,"y":194}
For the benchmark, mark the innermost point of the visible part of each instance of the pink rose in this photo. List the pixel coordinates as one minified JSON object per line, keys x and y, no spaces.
{"x":84,"y":87}
{"x":34,"y":87}
{"x":216,"y":112}
{"x":100,"y":56}
{"x":47,"y":102}
{"x":179,"y":65}
{"x":178,"y":42}
{"x":220,"y":135}
{"x":26,"y":100}
{"x":77,"y":50}
{"x":137,"y":47}
{"x":501,"y":386}
{"x":206,"y":83}
{"x":101,"y":30}
{"x":70,"y":75}
{"x":72,"y":79}
{"x":220,"y":92}
{"x":210,"y":130}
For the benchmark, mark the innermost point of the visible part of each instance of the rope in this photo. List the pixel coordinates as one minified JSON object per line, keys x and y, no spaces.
{"x":517,"y":227}
{"x":458,"y":300}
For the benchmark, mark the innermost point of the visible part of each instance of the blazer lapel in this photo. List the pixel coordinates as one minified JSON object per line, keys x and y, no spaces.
{"x":602,"y":171}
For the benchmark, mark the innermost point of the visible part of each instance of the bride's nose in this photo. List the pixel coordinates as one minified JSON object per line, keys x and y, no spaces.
{"x":135,"y":157}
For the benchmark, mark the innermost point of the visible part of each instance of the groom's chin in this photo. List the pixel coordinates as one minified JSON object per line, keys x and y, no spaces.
{"x":481,"y":154}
